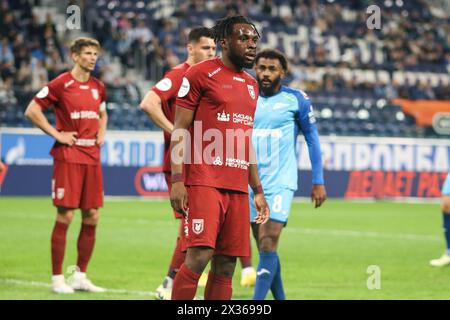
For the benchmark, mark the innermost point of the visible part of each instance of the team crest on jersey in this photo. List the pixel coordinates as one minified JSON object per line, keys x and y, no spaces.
{"x":197,"y":225}
{"x":60,"y":193}
{"x":251,"y":91}
{"x":95,"y":94}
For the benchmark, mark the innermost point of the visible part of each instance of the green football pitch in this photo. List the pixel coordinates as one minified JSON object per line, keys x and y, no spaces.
{"x":344,"y":250}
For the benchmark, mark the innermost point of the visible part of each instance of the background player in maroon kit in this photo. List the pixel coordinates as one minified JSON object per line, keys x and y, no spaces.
{"x":159,"y":105}
{"x":218,"y":96}
{"x":79,"y":103}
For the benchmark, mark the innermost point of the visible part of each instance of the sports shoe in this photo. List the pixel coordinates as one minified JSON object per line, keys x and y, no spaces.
{"x":441,"y":262}
{"x":164,"y":291}
{"x":203,"y":279}
{"x":59,"y":285}
{"x":248,"y":277}
{"x":81,"y":283}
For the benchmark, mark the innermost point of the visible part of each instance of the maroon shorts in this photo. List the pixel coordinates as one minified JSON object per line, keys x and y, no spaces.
{"x":76,"y":185}
{"x":218,"y":219}
{"x":176,"y":214}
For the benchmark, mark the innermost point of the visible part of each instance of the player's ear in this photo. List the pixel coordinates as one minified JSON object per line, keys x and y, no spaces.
{"x":223,"y":44}
{"x":190,"y":48}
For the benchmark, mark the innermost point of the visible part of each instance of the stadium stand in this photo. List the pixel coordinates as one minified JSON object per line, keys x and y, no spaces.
{"x":354,"y":75}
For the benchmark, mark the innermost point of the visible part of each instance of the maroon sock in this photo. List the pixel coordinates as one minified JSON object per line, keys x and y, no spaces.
{"x":247,"y":261}
{"x":58,"y":246}
{"x":218,"y":287}
{"x":185,"y":284}
{"x":86,"y":241}
{"x":177,"y":260}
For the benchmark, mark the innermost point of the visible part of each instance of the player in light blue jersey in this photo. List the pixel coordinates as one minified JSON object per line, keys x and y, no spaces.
{"x":281,"y":114}
{"x":445,"y":258}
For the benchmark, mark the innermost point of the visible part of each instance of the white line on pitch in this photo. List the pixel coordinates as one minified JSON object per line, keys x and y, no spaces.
{"x":47,"y":285}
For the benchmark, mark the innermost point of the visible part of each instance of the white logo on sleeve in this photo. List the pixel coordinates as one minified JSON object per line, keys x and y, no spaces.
{"x":185,"y":87}
{"x":197,"y":225}
{"x":164,"y":84}
{"x":262,"y":271}
{"x":43,"y":93}
{"x":95,"y":94}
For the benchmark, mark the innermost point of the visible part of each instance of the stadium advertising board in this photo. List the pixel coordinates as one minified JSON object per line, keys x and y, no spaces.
{"x":354,"y":167}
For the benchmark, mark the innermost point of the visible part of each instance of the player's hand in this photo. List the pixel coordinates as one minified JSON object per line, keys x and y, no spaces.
{"x":318,"y":195}
{"x":67,"y":138}
{"x":179,"y":198}
{"x":100,"y":139}
{"x":262,"y":209}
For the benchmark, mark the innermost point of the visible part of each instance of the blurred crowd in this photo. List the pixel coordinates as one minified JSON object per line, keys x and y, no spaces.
{"x":149,"y":38}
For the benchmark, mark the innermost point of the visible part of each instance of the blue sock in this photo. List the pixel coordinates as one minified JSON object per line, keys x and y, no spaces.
{"x":447,"y":230}
{"x":267,"y":268}
{"x":277,"y":284}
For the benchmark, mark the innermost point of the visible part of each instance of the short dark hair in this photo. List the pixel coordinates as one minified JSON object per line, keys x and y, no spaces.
{"x":224,"y":27}
{"x":196,"y":33}
{"x":272,"y":54}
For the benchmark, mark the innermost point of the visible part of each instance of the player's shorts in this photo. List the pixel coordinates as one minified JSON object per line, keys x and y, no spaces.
{"x":176,"y":214}
{"x":218,"y":219}
{"x":76,"y":185}
{"x":279,"y":201}
{"x":446,"y":186}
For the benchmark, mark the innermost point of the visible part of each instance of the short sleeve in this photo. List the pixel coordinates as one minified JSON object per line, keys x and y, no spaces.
{"x":190,"y":91}
{"x":167,"y":88}
{"x":103,"y":97}
{"x":47,"y":96}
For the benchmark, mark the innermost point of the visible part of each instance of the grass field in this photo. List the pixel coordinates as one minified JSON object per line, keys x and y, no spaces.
{"x":325,"y":253}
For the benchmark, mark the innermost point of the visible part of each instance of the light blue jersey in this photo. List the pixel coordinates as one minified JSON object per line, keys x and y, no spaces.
{"x":278,"y":121}
{"x":446,"y":186}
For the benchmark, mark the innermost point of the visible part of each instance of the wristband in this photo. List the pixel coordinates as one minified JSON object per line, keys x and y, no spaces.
{"x":258,"y":189}
{"x":177,"y":177}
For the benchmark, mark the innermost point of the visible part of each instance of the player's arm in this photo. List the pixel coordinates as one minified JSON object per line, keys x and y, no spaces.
{"x":178,"y":144}
{"x":103,"y":122}
{"x":35,"y":114}
{"x":151,"y":105}
{"x":262,"y":209}
{"x":309,"y":130}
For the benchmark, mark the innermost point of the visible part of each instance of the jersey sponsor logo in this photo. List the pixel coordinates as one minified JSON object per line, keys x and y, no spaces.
{"x":164,"y":84}
{"x":68,"y":83}
{"x":198,"y":225}
{"x":237,"y":163}
{"x":280,"y":105}
{"x":239,"y":79}
{"x":42,"y":93}
{"x":84,"y":115}
{"x":184,"y":88}
{"x":224,"y":117}
{"x":84,"y":87}
{"x":95,"y":94}
{"x":60,"y":193}
{"x":85,"y":142}
{"x":210,"y":74}
{"x":251,"y":91}
{"x":275,"y":133}
{"x":217,"y":162}
{"x":243,"y":119}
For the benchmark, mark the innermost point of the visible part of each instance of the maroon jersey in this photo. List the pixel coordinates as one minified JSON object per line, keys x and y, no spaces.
{"x":224,"y":102}
{"x":77,"y":107}
{"x":167,"y":89}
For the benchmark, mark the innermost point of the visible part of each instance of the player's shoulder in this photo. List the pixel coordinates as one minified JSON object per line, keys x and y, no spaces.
{"x":97,"y":81}
{"x":176,"y":71}
{"x":299,"y":94}
{"x":62,"y":79}
{"x":210,"y":67}
{"x":249,"y":77}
